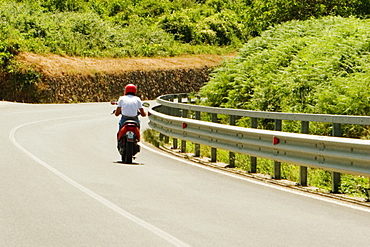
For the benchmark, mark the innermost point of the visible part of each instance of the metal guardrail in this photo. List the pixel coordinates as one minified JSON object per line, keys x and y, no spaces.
{"x":336,"y":154}
{"x":167,"y":100}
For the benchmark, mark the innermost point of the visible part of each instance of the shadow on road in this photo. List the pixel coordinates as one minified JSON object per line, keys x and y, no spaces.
{"x":123,"y":163}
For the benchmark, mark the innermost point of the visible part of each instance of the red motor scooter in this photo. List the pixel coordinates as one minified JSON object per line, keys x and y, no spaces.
{"x":128,"y":138}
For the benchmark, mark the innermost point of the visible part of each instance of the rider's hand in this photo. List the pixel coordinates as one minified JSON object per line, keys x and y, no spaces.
{"x":142,"y":112}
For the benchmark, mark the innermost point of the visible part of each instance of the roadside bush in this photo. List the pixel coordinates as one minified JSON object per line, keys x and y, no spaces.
{"x":266,"y":13}
{"x":63,"y":5}
{"x":100,"y":27}
{"x":181,"y":25}
{"x":227,"y":28}
{"x":7,"y":52}
{"x":313,"y":66}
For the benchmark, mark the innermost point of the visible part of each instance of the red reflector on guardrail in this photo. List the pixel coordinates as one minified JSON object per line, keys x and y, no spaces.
{"x":184,"y":125}
{"x":275,"y":140}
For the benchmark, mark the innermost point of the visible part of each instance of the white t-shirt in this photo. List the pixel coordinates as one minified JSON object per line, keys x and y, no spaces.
{"x":130,"y":105}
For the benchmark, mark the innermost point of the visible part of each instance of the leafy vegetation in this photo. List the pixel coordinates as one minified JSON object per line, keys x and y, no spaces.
{"x":7,"y":52}
{"x":121,"y":28}
{"x":314,"y":66}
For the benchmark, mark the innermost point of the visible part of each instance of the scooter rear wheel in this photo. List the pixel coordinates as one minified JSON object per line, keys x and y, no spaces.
{"x":129,"y":153}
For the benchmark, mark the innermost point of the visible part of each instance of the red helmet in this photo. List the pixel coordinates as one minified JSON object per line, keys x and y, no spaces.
{"x":130,"y":88}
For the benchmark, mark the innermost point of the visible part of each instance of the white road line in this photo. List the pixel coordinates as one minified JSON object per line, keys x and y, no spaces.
{"x":164,"y":235}
{"x":293,"y":191}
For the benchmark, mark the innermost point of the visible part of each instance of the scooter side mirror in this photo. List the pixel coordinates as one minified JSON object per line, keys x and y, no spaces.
{"x":146,"y":104}
{"x":113,"y":103}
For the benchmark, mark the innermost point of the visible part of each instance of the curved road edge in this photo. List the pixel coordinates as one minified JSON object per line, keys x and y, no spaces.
{"x":284,"y":185}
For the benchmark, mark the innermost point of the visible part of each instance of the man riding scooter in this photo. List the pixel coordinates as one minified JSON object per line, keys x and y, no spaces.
{"x":128,"y":136}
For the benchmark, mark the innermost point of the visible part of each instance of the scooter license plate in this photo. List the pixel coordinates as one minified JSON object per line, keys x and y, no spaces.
{"x":130,"y":136}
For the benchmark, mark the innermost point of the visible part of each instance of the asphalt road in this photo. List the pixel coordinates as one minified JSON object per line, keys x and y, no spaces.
{"x":61,"y":185}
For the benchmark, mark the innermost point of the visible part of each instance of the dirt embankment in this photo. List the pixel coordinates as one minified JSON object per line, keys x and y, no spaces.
{"x":74,"y":79}
{"x":53,"y":65}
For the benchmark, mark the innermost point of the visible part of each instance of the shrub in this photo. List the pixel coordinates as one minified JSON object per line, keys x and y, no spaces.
{"x":7,"y":52}
{"x":266,"y":13}
{"x":314,"y":66}
{"x":99,"y":27}
{"x":181,"y":25}
{"x":63,"y":5}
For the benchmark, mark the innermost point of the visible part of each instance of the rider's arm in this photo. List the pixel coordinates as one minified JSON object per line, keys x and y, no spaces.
{"x":118,"y":111}
{"x":142,"y":112}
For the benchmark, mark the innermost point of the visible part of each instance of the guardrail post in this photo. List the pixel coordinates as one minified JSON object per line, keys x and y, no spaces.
{"x":368,"y":192}
{"x":184,"y":115}
{"x":196,"y":145}
{"x":214,"y":150}
{"x":162,"y":109}
{"x":232,"y":154}
{"x":336,"y":176}
{"x":166,"y":139}
{"x":175,"y":112}
{"x":254,"y":124}
{"x":277,"y":164}
{"x":171,"y":112}
{"x":165,"y":110}
{"x":303,"y":169}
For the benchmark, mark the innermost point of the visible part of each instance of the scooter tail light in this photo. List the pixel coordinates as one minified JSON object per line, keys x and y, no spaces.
{"x":131,"y":128}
